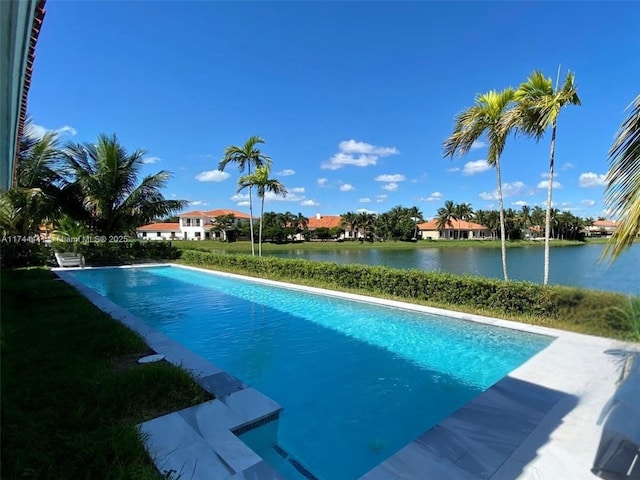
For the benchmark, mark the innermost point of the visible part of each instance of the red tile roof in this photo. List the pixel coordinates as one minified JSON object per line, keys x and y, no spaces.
{"x":159,"y":227}
{"x":455,"y":225}
{"x":605,"y":223}
{"x":326,"y":221}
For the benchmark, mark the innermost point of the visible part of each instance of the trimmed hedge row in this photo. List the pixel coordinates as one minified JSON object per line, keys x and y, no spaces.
{"x":511,"y":297}
{"x":25,"y":254}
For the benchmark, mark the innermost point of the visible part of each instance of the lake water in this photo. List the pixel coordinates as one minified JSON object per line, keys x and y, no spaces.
{"x":573,"y":265}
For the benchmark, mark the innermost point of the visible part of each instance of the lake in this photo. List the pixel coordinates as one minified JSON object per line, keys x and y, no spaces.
{"x":577,"y":266}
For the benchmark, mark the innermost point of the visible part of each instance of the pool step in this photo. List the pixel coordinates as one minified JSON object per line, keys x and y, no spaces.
{"x":197,"y":443}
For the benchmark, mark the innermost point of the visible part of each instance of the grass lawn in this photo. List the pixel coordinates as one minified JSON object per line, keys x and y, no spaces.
{"x":72,"y":391}
{"x":245,"y":246}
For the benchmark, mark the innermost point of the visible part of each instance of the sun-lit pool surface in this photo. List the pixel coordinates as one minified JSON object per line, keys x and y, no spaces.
{"x":357,"y":381}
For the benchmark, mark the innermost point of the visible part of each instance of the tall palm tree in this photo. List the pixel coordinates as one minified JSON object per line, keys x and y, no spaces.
{"x":622,"y":193}
{"x":463,"y":212}
{"x":416,"y":216}
{"x":105,"y":178}
{"x":487,"y":117}
{"x":446,"y":214}
{"x":260,"y":179}
{"x":538,"y":107}
{"x":247,"y":156}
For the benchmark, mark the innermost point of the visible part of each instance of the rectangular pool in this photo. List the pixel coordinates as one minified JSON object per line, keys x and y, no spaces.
{"x":357,"y":381}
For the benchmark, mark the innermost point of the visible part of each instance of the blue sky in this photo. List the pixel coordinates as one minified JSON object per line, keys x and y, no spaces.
{"x":353,"y":99}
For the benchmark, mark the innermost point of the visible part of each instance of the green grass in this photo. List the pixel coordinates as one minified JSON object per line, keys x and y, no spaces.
{"x":245,"y":247}
{"x":72,"y":391}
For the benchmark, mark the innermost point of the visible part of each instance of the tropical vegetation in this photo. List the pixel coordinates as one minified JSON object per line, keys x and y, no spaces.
{"x":538,"y":106}
{"x":622,"y":193}
{"x":485,"y":119}
{"x":246,"y":157}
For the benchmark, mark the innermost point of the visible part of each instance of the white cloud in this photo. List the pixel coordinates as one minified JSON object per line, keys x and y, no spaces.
{"x":286,"y":173}
{"x":477,"y":166}
{"x":198,"y":203}
{"x":391,"y":187}
{"x":590,"y":179}
{"x":242,"y":198}
{"x":309,"y":203}
{"x":434,"y":197}
{"x":545,"y":184}
{"x":567,"y":166}
{"x":519,"y":203}
{"x":321,"y":182}
{"x":212,"y":176}
{"x":477,"y":144}
{"x":587,"y":203}
{"x":453,"y":169}
{"x":296,"y":190}
{"x":381,"y":198}
{"x":566,"y":205}
{"x":364,"y":200}
{"x":390,"y":178}
{"x":39,"y":131}
{"x":359,"y":154}
{"x":150,"y":160}
{"x":364,"y":210}
{"x":508,"y":190}
{"x":347,"y":187}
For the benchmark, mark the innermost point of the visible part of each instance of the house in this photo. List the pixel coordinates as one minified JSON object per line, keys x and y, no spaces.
{"x":601,"y":228}
{"x":194,"y":225}
{"x":159,"y":231}
{"x":470,"y":230}
{"x":324,"y":221}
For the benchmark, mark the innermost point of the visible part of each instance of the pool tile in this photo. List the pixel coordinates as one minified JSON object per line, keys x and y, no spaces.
{"x":259,"y":471}
{"x":251,"y":405}
{"x":209,"y":418}
{"x":221,"y":384}
{"x":233,"y":451}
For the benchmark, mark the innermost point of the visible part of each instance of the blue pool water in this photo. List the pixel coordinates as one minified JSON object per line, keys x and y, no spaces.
{"x":357,"y":381}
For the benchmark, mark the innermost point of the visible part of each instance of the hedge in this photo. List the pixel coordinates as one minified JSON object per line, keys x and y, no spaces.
{"x":443,"y":288}
{"x":26,"y":254}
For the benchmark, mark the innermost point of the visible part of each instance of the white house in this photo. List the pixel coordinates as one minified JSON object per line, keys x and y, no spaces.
{"x":159,"y":231}
{"x":470,"y":230}
{"x":194,"y":225}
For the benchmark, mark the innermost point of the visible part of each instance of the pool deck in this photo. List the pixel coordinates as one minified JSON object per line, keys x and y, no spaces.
{"x":543,"y":421}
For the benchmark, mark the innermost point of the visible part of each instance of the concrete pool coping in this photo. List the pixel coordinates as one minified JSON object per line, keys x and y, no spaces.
{"x":544,"y":420}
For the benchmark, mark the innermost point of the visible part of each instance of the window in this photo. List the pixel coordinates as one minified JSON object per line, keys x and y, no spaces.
{"x":158,"y":234}
{"x":144,"y":234}
{"x":197,"y":220}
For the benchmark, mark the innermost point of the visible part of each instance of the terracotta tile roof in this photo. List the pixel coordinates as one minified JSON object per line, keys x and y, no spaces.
{"x":326,"y":221}
{"x":159,"y":227}
{"x":455,"y":225}
{"x":605,"y":223}
{"x":213,"y":213}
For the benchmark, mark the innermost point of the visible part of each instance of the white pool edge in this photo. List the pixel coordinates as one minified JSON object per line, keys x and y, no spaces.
{"x":583,"y":369}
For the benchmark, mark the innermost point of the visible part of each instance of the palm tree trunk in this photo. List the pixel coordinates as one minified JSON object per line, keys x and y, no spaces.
{"x":547,"y":226}
{"x":253,"y":251}
{"x":503,"y":243}
{"x":260,"y":229}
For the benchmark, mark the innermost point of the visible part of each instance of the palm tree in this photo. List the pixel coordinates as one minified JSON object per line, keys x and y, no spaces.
{"x":260,"y":179}
{"x":416,"y":216}
{"x":486,"y":117}
{"x":446,"y":214}
{"x":36,"y":196}
{"x":246,"y":157}
{"x":622,"y":193}
{"x":105,"y":179}
{"x":525,"y":218}
{"x":463,"y":212}
{"x":538,"y":107}
{"x":350,"y":219}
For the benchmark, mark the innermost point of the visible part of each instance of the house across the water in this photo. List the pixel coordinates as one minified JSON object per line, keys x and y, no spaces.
{"x":454,"y":229}
{"x":194,"y":225}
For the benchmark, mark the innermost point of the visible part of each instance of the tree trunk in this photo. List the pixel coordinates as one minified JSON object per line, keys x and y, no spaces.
{"x":503,"y":243}
{"x":547,"y":223}
{"x":260,"y":229}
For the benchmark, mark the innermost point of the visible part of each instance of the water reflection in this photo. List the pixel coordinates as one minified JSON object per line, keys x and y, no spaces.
{"x":573,"y":265}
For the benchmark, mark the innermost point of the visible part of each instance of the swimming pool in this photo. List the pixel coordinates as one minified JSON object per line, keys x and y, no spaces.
{"x":357,"y":381}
